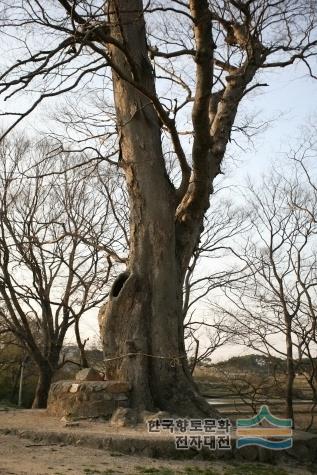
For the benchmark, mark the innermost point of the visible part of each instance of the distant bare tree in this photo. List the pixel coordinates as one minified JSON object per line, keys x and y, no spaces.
{"x":278,"y":295}
{"x":57,"y":251}
{"x":213,"y":266}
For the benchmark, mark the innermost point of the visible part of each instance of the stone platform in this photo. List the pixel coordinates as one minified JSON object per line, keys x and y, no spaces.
{"x":84,"y":398}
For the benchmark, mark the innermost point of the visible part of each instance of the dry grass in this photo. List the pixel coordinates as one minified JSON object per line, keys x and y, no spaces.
{"x":250,"y":390}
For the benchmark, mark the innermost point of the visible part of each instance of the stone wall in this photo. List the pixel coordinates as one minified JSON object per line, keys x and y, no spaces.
{"x":76,"y":399}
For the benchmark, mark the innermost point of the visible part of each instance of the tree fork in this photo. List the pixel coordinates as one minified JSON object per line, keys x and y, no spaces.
{"x":141,"y":324}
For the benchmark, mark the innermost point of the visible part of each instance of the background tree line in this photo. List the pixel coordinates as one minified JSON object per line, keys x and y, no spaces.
{"x":170,"y":78}
{"x":60,"y":251}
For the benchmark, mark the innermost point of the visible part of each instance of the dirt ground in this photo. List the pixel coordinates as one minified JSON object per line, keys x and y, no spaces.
{"x":24,"y":457}
{"x":28,"y":456}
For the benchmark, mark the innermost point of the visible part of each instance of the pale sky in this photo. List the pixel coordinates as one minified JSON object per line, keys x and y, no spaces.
{"x":290,"y":99}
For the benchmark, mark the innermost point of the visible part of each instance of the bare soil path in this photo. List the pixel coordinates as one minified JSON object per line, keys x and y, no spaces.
{"x":21,"y":454}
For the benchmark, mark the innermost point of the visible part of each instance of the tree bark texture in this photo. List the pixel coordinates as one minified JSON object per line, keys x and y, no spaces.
{"x":43,"y":387}
{"x":142,"y":323}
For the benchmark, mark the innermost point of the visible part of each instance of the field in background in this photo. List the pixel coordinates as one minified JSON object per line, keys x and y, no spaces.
{"x":241,"y":393}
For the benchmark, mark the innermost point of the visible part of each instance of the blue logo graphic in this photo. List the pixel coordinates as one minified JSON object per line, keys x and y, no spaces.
{"x":276,"y":436}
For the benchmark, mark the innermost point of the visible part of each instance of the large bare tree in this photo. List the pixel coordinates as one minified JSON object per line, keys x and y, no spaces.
{"x":177,"y":69}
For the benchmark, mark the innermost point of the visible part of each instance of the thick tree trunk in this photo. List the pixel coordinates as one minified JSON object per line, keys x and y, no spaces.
{"x":142,"y":324}
{"x":142,"y":335}
{"x":43,"y":387}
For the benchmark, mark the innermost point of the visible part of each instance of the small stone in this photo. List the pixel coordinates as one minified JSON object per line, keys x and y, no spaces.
{"x":88,"y":374}
{"x":156,"y":415}
{"x":66,"y":418}
{"x":124,"y":417}
{"x":74,"y":388}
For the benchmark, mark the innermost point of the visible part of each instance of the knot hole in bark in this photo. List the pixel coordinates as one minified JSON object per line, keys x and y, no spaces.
{"x":119,"y":283}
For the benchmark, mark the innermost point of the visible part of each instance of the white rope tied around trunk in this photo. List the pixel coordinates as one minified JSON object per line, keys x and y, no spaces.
{"x":174,"y":359}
